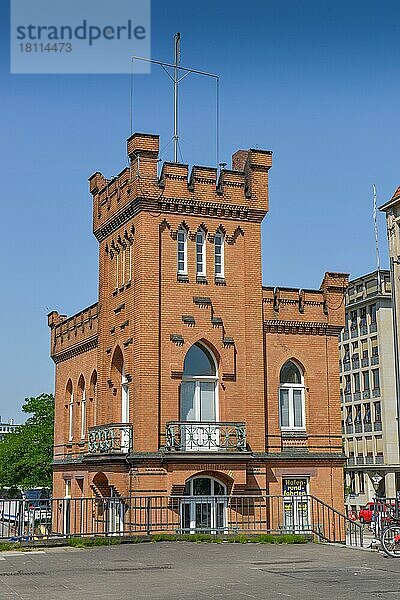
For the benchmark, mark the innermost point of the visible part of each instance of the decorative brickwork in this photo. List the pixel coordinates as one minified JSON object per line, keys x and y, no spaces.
{"x":136,"y":338}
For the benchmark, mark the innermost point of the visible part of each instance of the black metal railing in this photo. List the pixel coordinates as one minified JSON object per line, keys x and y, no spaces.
{"x":111,"y":438}
{"x":188,"y":436}
{"x":146,"y":515}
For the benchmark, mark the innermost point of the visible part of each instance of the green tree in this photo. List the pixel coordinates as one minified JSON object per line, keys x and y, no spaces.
{"x":26,"y":454}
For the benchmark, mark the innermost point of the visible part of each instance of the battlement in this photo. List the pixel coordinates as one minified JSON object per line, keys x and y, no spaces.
{"x":294,"y":305}
{"x":140,"y":186}
{"x":71,"y":332}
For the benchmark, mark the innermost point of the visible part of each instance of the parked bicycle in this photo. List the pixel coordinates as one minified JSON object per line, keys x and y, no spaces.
{"x":390,"y":539}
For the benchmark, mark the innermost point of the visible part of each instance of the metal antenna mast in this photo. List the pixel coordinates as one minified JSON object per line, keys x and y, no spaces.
{"x":177,"y":41}
{"x":378,"y":260}
{"x":178,"y":74}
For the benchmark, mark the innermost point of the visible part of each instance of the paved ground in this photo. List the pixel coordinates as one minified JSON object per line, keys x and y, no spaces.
{"x":183,"y":571}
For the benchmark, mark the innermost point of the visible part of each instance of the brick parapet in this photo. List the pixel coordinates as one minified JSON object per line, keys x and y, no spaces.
{"x":68,"y":333}
{"x":246,"y":189}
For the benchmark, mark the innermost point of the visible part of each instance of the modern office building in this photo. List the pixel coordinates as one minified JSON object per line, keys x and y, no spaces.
{"x":368,"y":391}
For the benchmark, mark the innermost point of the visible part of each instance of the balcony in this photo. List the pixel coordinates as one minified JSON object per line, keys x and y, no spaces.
{"x":110,"y":439}
{"x":375,"y":359}
{"x":376,"y":393}
{"x":354,"y":332}
{"x":195,"y":436}
{"x":363,"y":329}
{"x":378,"y":426}
{"x":365,"y":361}
{"x":346,"y":366}
{"x":366,"y":394}
{"x":359,"y":460}
{"x":349,"y":428}
{"x":347,"y":397}
{"x":372,"y":328}
{"x":357,"y":395}
{"x":351,"y":461}
{"x":367,"y":427}
{"x":379,"y":459}
{"x":356,"y":363}
{"x":358,"y":428}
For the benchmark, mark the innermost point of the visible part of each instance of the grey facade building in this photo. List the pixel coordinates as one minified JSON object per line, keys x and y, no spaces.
{"x":368,"y":390}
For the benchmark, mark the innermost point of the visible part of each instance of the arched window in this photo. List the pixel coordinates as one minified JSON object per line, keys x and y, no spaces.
{"x":82,"y":399}
{"x":69,"y":395}
{"x":182,"y":251}
{"x":291,"y":397}
{"x":219,"y":254}
{"x":201,"y":253}
{"x":199,"y":385}
{"x":93,"y":399}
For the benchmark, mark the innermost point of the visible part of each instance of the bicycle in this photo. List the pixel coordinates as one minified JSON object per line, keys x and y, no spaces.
{"x":390,"y":539}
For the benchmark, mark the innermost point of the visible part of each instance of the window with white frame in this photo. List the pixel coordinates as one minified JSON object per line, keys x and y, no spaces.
{"x":291,"y":397}
{"x":219,"y":254}
{"x":201,"y":253}
{"x":82,"y":391}
{"x":70,"y":405}
{"x":182,"y":251}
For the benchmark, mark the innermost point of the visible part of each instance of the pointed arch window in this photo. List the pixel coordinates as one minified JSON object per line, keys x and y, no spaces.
{"x":201,"y":253}
{"x":291,"y":397}
{"x":219,"y":267}
{"x":182,"y":251}
{"x":70,"y":401}
{"x":82,"y":398}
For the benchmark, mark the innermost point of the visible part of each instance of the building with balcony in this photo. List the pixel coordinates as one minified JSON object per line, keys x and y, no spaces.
{"x":7,"y":428}
{"x":188,"y":377}
{"x":368,"y":392}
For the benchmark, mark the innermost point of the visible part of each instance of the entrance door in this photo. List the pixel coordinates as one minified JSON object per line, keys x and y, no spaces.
{"x":205,"y":509}
{"x":115,"y":515}
{"x":296,"y":505}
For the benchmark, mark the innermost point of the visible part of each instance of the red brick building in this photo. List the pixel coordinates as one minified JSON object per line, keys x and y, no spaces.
{"x":188,"y":374}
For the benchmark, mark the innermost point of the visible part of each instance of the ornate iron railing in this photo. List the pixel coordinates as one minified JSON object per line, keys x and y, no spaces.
{"x":189,"y":436}
{"x":107,"y":439}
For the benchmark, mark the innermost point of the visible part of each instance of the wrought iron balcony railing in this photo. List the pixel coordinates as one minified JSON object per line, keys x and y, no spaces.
{"x":196,"y":436}
{"x":110,"y":439}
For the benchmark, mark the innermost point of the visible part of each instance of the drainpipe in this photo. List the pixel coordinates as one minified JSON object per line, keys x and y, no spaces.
{"x":396,"y":346}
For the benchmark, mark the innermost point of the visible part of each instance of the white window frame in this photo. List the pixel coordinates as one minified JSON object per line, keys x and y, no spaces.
{"x":220,"y":245}
{"x":83,"y":414}
{"x":290,"y":388}
{"x":181,"y":232}
{"x":201,"y":244}
{"x":71,"y":417}
{"x":198,"y":380}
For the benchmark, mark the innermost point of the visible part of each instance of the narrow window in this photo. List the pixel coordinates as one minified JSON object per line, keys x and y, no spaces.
{"x":201,"y":253}
{"x":219,"y":254}
{"x":182,"y":252}
{"x":130,"y":262}
{"x":117,"y":270}
{"x":123,"y":261}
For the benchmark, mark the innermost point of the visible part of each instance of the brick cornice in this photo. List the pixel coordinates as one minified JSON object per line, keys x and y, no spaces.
{"x":186,"y":206}
{"x":68,"y":353}
{"x":301,"y":327}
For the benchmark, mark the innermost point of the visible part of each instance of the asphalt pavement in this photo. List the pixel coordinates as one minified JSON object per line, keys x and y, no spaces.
{"x":183,"y":571}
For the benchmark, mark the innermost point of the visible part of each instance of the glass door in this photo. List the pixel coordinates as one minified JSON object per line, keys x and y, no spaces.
{"x":296,"y":505}
{"x":205,"y":509}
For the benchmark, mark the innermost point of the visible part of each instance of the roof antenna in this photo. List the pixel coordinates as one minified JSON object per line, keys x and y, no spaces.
{"x":378,"y":260}
{"x":177,"y":41}
{"x":177,"y":73}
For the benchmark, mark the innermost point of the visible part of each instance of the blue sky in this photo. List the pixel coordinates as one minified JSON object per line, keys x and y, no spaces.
{"x":315,"y":81}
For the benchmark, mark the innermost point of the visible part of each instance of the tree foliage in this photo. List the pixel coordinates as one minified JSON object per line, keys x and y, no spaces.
{"x":26,"y":454}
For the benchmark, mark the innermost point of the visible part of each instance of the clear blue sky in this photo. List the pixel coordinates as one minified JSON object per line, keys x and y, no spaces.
{"x":315,"y":81}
